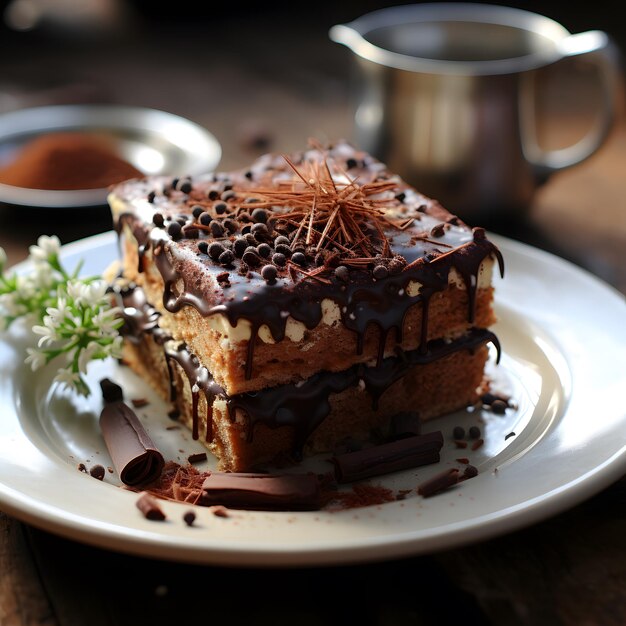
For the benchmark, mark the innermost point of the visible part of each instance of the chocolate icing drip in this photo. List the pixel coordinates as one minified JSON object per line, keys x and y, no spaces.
{"x":302,"y":406}
{"x":141,"y":317}
{"x":199,"y":380}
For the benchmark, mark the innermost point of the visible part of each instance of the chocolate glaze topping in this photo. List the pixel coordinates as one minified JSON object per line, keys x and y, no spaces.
{"x":214,"y":254}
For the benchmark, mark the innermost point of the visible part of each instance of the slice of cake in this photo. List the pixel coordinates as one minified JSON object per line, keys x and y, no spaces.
{"x":300,"y":301}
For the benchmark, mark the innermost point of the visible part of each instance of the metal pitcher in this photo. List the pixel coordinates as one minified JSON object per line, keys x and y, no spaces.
{"x":446,"y":95}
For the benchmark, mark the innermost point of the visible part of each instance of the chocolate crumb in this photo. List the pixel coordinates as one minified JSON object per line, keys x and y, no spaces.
{"x":82,"y":467}
{"x":511,"y":434}
{"x":220,"y":511}
{"x":198,"y":457}
{"x":150,"y":508}
{"x":174,"y":414}
{"x":470,"y":472}
{"x":139,"y":402}
{"x":97,"y":471}
{"x":477,"y":444}
{"x":189,"y":517}
{"x":439,"y":482}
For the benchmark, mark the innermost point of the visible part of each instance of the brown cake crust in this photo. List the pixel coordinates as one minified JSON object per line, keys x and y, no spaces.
{"x":445,"y":385}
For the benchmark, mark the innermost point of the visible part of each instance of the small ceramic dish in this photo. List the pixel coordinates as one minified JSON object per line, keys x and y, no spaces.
{"x":153,"y":141}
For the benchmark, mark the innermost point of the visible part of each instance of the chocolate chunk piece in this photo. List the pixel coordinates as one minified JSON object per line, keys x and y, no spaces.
{"x":198,"y":457}
{"x":470,"y":472}
{"x":148,"y":505}
{"x":136,"y":458}
{"x":439,"y":482}
{"x":388,"y":457}
{"x":111,"y":392}
{"x":286,"y":492}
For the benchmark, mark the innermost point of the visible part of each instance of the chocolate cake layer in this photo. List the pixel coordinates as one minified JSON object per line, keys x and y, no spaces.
{"x":313,"y":416}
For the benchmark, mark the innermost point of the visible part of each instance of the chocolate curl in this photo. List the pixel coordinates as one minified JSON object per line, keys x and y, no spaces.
{"x":388,"y":457}
{"x":287,"y":492}
{"x":136,"y":458}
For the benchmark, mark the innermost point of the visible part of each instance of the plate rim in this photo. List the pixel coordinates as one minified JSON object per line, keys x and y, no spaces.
{"x":512,"y":518}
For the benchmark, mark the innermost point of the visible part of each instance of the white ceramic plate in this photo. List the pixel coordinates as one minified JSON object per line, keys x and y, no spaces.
{"x":155,"y":142}
{"x":564,"y":361}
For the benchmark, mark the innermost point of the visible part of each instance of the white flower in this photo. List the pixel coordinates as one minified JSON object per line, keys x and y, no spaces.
{"x":87,"y":354}
{"x":35,"y":359}
{"x":46,"y":248}
{"x":106,"y":321}
{"x":9,"y":305}
{"x":75,"y":290}
{"x":42,"y":277}
{"x":68,"y":378}
{"x":26,"y":287}
{"x":115,"y":349}
{"x":48,"y":334}
{"x":58,"y":313}
{"x":94,"y":293}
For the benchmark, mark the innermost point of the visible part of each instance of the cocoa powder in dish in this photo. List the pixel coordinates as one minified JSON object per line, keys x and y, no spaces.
{"x":67,"y":161}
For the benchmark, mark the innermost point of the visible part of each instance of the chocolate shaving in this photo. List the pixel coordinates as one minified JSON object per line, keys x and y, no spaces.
{"x":439,"y":482}
{"x":134,"y":455}
{"x":286,"y":492}
{"x":150,"y":508}
{"x":388,"y":457}
{"x":198,"y":457}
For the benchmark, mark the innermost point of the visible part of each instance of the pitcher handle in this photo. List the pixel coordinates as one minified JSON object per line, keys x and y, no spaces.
{"x":596,"y":46}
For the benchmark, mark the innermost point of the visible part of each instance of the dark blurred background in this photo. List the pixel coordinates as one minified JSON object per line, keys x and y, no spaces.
{"x":252,"y":72}
{"x":266,"y":75}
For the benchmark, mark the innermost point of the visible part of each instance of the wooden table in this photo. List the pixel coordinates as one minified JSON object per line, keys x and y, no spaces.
{"x":570,"y":569}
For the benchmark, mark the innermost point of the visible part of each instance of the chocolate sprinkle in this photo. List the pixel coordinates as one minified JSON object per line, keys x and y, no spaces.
{"x":97,"y":471}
